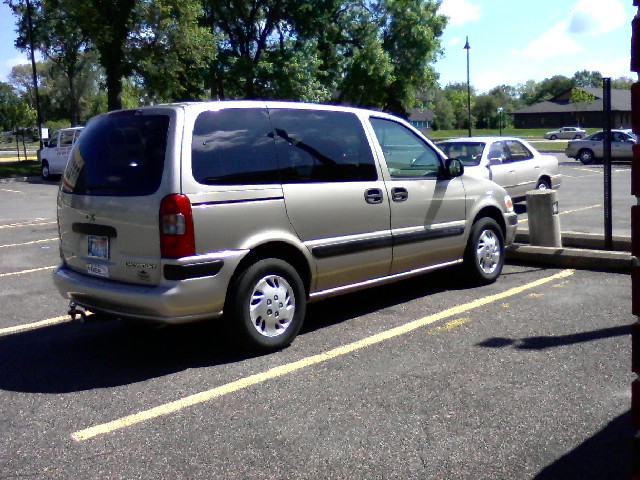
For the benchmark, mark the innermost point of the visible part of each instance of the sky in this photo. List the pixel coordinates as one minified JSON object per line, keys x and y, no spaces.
{"x":511,"y":41}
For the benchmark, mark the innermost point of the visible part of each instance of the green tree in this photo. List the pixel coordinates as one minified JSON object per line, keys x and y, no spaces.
{"x":586,"y":78}
{"x":444,"y":118}
{"x":550,"y":87}
{"x":622,"y":83}
{"x":457,"y":94}
{"x":57,"y":35}
{"x":108,"y":26}
{"x":172,"y":50}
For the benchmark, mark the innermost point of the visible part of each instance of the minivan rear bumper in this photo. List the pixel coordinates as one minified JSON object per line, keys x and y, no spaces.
{"x":171,"y":302}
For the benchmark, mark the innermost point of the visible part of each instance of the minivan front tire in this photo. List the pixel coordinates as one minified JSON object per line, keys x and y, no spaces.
{"x":484,"y":256}
{"x":267,"y":306}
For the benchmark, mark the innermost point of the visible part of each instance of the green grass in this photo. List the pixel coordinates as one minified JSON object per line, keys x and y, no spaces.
{"x":535,"y":135}
{"x":526,"y":133}
{"x":26,"y":168}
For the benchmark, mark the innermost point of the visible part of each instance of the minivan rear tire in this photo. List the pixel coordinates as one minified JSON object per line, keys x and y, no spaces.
{"x":484,"y":256}
{"x":266,"y":306}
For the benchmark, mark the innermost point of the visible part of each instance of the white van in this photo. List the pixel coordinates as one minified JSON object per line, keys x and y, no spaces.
{"x":53,"y":157}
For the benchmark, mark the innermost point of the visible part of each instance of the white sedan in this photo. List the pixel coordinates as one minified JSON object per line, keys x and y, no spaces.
{"x":510,"y":162}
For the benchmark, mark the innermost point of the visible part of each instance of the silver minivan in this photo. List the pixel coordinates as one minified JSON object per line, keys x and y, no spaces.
{"x":247,"y":210}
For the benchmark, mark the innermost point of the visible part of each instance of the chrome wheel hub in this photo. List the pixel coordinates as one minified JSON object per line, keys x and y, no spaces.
{"x":488,"y":252}
{"x":272,"y":306}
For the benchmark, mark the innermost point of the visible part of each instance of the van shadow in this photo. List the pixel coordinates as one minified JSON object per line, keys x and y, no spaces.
{"x":605,"y":455}
{"x":73,"y":357}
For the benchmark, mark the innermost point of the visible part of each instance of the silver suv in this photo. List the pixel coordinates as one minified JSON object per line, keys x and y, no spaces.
{"x":248,"y":210}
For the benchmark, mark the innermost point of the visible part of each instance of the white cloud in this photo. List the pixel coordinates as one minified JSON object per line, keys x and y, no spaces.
{"x":587,"y":17}
{"x":554,"y":41}
{"x":19,"y":60}
{"x":460,"y":11}
{"x":593,"y":17}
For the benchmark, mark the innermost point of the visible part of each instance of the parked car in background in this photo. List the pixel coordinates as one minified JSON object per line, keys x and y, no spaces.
{"x":510,"y":162}
{"x":55,"y":153}
{"x":589,"y":149}
{"x":566,"y":133}
{"x":245,"y":210}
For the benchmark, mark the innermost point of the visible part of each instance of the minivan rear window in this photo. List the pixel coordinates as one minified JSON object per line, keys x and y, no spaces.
{"x":120,"y":154}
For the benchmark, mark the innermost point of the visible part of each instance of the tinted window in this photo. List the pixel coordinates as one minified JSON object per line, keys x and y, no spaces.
{"x":234,"y":146}
{"x":321,"y":146}
{"x":405,"y":153}
{"x":120,"y":154}
{"x":469,"y":153}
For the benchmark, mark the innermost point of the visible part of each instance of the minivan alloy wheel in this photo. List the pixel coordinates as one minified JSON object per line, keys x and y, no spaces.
{"x":488,"y":252}
{"x":272,"y":306}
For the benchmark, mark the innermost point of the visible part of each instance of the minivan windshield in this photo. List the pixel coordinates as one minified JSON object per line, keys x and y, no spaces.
{"x":118,"y":154}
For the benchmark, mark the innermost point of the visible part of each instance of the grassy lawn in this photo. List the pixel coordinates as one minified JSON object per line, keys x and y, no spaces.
{"x":535,"y":135}
{"x":19,"y":169}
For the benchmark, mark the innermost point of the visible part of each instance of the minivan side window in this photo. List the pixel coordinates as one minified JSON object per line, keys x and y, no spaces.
{"x":407,"y":156}
{"x":321,"y":146}
{"x":233,"y":147}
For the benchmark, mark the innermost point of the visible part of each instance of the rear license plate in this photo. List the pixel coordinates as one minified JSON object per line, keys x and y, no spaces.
{"x":98,"y":246}
{"x":99,"y":270}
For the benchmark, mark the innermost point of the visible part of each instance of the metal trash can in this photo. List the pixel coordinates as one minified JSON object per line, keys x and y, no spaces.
{"x":544,"y":218}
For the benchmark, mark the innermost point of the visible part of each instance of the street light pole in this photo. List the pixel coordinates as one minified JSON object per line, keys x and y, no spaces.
{"x":500,"y":110}
{"x":467,"y":47}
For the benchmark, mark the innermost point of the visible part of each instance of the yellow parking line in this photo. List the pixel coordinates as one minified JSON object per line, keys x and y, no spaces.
{"x":28,"y":243}
{"x":288,"y":368}
{"x":34,"y":325}
{"x":27,"y":271}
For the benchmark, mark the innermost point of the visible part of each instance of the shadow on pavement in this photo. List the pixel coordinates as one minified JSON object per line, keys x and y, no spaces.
{"x":542,"y":342}
{"x":606,"y":455}
{"x":105,"y":353}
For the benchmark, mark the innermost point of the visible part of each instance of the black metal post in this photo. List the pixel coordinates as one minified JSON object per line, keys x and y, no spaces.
{"x":606,"y":109}
{"x":467,"y":47}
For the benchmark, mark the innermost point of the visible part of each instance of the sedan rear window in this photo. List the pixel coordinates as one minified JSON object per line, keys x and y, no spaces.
{"x":120,"y":154}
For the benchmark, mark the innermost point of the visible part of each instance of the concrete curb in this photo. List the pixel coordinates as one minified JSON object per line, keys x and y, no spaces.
{"x":579,"y":250}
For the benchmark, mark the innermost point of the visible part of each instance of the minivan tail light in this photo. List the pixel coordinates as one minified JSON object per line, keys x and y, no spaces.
{"x":177,"y":238}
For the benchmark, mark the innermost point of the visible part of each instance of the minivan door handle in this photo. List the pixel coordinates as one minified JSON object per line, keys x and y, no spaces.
{"x":373,"y":195}
{"x":399,"y":194}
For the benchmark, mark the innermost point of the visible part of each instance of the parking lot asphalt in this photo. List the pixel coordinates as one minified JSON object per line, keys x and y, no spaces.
{"x":524,"y":378}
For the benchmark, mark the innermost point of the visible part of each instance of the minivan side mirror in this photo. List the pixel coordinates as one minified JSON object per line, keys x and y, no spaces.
{"x":453,"y":167}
